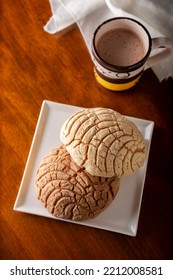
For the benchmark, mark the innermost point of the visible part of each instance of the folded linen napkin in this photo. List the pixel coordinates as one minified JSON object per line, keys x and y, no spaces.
{"x":89,"y":14}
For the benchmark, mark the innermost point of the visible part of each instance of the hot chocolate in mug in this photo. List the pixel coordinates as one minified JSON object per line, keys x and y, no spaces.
{"x":122,"y":49}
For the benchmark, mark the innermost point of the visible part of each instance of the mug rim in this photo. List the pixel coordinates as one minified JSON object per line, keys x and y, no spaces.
{"x":114,"y":67}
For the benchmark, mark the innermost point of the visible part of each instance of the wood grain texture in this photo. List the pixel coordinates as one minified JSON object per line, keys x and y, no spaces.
{"x":37,"y":66}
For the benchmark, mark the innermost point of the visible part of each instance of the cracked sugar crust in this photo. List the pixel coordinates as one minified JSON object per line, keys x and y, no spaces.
{"x":103,"y":141}
{"x":68,"y":191}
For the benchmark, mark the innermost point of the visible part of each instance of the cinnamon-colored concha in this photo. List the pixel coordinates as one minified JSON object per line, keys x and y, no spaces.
{"x":68,"y":191}
{"x":103,"y":141}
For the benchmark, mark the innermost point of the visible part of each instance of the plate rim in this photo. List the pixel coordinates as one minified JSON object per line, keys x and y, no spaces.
{"x":46,"y":105}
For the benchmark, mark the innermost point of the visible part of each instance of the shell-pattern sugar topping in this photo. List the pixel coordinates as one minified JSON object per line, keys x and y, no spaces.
{"x":103,"y":141}
{"x":68,"y":191}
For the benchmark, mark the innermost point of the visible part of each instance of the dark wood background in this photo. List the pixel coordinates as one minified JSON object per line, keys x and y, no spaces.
{"x":37,"y":66}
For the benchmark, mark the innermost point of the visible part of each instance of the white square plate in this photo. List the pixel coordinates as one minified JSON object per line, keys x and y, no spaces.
{"x":123,"y":214}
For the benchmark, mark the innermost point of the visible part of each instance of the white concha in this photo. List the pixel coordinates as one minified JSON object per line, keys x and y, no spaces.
{"x":104,"y":142}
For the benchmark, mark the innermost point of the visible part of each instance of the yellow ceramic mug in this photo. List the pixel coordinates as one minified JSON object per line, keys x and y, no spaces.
{"x":122,"y":50}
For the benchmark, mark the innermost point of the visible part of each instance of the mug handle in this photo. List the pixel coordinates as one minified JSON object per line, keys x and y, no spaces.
{"x":160,"y":43}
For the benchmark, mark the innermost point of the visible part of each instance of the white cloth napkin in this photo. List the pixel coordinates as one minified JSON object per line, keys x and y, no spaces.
{"x":157,"y":16}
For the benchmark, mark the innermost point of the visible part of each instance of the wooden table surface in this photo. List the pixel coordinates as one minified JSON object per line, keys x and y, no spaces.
{"x":36,"y":66}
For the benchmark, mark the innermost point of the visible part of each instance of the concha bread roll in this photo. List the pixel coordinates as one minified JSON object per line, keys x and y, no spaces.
{"x":105,"y":142}
{"x":68,"y":191}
